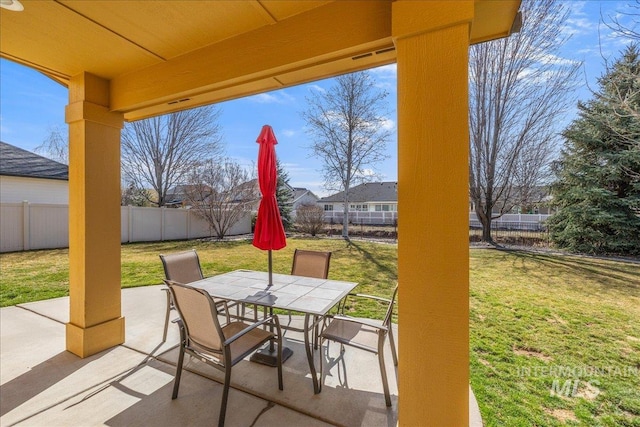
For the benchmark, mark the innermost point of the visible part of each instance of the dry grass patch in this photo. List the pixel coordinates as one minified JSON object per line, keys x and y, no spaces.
{"x":562,"y":414}
{"x":532,"y":353}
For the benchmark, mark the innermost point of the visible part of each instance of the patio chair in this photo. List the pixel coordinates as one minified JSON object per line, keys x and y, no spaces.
{"x":184,"y":267}
{"x":309,"y":264}
{"x":354,"y":332}
{"x":181,"y":267}
{"x":220,"y":346}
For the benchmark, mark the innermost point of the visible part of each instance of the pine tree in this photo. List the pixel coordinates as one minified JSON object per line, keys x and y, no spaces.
{"x":597,"y":188}
{"x":284,"y":196}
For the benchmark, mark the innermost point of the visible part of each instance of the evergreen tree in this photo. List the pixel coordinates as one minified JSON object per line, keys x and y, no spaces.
{"x":597,"y":188}
{"x":284,"y":196}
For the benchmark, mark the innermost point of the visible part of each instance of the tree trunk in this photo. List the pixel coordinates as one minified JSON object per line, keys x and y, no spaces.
{"x":486,"y":232}
{"x":345,"y":220}
{"x":485,"y":220}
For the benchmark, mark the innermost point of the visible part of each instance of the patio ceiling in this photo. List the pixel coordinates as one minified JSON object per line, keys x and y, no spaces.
{"x":171,"y":55}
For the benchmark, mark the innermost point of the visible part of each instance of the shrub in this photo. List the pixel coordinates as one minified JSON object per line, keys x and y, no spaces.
{"x":310,"y":218}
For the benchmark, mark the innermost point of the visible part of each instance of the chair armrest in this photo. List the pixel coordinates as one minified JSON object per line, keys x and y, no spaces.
{"x":373,"y":297}
{"x":343,"y":302}
{"x":367,"y":322}
{"x":223,"y":302}
{"x":268,"y":319}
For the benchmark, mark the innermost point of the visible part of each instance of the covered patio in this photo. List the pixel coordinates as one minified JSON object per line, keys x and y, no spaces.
{"x":131,"y":384}
{"x":128,"y":60}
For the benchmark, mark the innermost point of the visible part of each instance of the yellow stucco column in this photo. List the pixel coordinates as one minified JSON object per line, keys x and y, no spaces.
{"x":95,"y":322}
{"x":432,"y":40}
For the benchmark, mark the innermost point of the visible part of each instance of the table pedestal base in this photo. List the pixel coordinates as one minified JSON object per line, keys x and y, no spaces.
{"x":270,"y":358}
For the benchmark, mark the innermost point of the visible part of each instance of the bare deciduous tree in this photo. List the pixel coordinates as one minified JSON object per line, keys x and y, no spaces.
{"x":159,"y":152}
{"x":310,"y":218}
{"x":626,"y":22}
{"x":518,"y":90}
{"x":130,"y":195}
{"x":626,"y":25}
{"x":348,"y":128}
{"x":221,"y":192}
{"x":56,"y":146}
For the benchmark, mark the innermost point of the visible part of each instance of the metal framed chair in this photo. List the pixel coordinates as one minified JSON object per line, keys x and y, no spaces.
{"x":311,"y":263}
{"x":353,"y":331}
{"x":181,"y":267}
{"x":219,"y":345}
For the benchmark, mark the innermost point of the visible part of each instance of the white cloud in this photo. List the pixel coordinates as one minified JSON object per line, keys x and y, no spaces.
{"x":547,"y":58}
{"x":317,"y":88}
{"x":264,"y":98}
{"x":388,"y":124}
{"x":389,"y":71}
{"x":288,"y":132}
{"x":368,"y":173}
{"x":279,"y":97}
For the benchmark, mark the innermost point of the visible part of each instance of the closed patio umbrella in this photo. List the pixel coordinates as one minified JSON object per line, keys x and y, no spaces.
{"x":269,"y":232}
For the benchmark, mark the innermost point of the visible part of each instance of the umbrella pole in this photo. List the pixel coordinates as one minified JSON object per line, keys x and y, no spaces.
{"x":270,"y":270}
{"x":271,"y":343}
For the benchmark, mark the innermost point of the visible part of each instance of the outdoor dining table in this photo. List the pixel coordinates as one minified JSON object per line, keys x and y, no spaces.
{"x":310,"y":296}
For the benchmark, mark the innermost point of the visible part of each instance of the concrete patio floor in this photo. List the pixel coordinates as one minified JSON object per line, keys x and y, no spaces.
{"x":131,"y":384}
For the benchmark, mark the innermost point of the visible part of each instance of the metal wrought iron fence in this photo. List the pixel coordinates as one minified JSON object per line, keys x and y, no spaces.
{"x":514,"y":233}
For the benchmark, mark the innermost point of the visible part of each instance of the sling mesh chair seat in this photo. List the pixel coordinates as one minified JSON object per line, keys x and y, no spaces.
{"x":354,"y":332}
{"x":311,"y":263}
{"x":181,"y":267}
{"x":219,"y":345}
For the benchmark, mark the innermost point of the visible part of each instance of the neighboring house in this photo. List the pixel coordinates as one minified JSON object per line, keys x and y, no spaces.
{"x":369,"y":203}
{"x":178,"y":196}
{"x":302,"y":196}
{"x":182,"y":195}
{"x":28,"y":176}
{"x":537,"y":200}
{"x":299,"y":196}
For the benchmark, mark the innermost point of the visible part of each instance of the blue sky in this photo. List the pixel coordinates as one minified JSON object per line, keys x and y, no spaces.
{"x":32,"y":104}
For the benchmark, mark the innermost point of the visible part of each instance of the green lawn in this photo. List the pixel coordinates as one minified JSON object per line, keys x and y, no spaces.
{"x":540,"y":324}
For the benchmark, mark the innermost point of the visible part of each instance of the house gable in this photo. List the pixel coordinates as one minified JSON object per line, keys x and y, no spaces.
{"x":15,"y":161}
{"x":367,"y":193}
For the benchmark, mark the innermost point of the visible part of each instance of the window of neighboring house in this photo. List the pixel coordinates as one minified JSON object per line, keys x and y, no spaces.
{"x":328,"y":207}
{"x":359,"y":208}
{"x":385,"y":208}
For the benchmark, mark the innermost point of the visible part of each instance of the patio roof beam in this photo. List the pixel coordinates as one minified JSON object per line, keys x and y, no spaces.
{"x":293,"y":51}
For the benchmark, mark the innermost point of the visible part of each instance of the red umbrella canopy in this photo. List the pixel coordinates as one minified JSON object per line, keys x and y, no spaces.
{"x":269,"y":232}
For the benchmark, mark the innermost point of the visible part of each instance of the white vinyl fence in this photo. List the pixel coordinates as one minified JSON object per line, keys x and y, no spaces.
{"x":367,"y":218}
{"x":25,"y":226}
{"x":513,"y":221}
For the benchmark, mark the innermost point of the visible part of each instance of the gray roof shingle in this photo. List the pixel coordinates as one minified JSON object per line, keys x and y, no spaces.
{"x":15,"y":161}
{"x":368,"y":192}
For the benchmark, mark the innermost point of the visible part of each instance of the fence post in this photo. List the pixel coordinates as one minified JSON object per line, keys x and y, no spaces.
{"x":162,"y":210}
{"x":129,"y":223}
{"x":26,"y":226}
{"x":188,"y":223}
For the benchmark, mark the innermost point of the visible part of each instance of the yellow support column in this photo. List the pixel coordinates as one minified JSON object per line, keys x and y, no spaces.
{"x":95,"y":322}
{"x":433,"y":243}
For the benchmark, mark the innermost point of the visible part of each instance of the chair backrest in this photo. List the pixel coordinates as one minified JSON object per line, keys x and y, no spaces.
{"x":311,"y":263}
{"x":199,"y":315}
{"x":387,"y":316}
{"x":182,"y":267}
